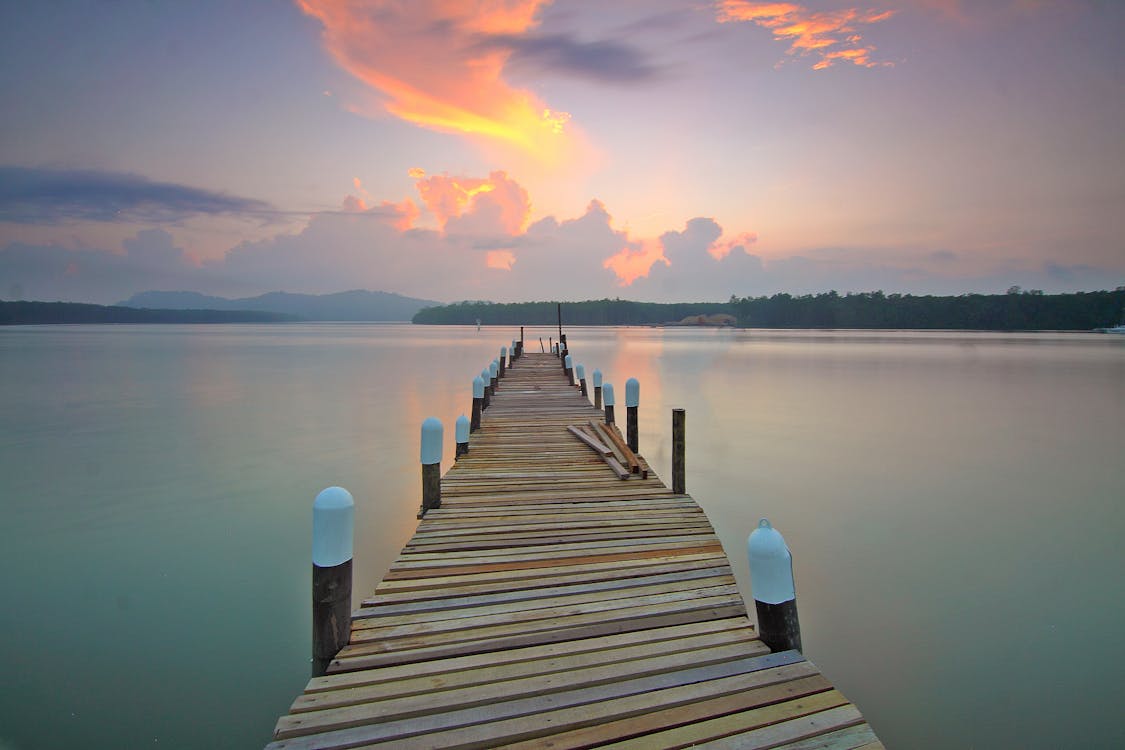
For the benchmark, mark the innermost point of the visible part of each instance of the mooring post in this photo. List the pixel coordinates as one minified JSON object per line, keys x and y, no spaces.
{"x":513,"y":354}
{"x":431,"y":464}
{"x":580,"y":372}
{"x":332,"y":533}
{"x":568,"y":366}
{"x":503,"y":356}
{"x":462,"y":431}
{"x":560,"y":320}
{"x":563,"y":355}
{"x":632,"y":404}
{"x":486,"y":378}
{"x":597,"y":389}
{"x":494,"y":375}
{"x":775,"y":594}
{"x":607,"y":397}
{"x":478,"y":404}
{"x":521,"y":341}
{"x":550,"y":344}
{"x":679,"y":426}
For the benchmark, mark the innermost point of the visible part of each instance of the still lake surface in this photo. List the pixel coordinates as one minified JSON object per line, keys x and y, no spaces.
{"x":955,"y":504}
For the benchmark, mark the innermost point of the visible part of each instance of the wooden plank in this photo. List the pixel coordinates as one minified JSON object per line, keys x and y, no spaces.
{"x":597,"y":446}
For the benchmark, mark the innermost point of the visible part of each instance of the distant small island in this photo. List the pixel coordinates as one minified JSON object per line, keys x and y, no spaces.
{"x":1017,"y":310}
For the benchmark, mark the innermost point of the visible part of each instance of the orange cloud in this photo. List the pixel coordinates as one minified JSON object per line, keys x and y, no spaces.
{"x":425,"y":58}
{"x":830,"y":35}
{"x":635,"y":260}
{"x":501,"y":259}
{"x":498,"y":200}
{"x":721,"y":248}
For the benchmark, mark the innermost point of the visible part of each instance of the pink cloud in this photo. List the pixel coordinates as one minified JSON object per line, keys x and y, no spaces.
{"x":832,"y":36}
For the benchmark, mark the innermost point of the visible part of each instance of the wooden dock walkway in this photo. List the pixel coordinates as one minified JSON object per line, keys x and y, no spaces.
{"x":548,"y":603}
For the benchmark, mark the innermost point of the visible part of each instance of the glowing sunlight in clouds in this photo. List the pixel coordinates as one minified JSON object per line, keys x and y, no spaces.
{"x":429,"y":61}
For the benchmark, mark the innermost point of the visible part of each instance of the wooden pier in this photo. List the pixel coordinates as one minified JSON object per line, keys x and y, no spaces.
{"x":548,"y":603}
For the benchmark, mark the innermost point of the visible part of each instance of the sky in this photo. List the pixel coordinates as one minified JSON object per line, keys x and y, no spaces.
{"x":515,"y":150}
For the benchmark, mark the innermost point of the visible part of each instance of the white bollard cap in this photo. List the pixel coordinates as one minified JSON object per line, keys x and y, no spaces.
{"x":462,"y":429}
{"x":607,"y":395}
{"x":333,"y":527}
{"x":486,"y":375}
{"x":771,"y":565}
{"x":632,"y":392}
{"x":493,"y":368}
{"x":597,"y":378}
{"x":503,"y":352}
{"x":478,"y":387}
{"x":568,"y":362}
{"x":580,"y":372}
{"x":431,"y":440}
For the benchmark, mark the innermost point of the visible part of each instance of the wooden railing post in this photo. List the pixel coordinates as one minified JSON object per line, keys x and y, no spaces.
{"x":478,"y":404}
{"x":632,"y":404}
{"x":462,"y":433}
{"x":431,"y":464}
{"x":332,"y":534}
{"x":679,"y":440}
{"x":775,"y":594}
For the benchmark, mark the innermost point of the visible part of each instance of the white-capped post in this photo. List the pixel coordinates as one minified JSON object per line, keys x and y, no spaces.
{"x":332,"y":533}
{"x":580,"y":373}
{"x":632,"y":404}
{"x":775,"y":594}
{"x":503,"y":357}
{"x":478,"y":404}
{"x":462,"y":431}
{"x":431,"y":464}
{"x":513,"y":353}
{"x":568,"y":368}
{"x":607,"y":397}
{"x":485,"y":379}
{"x":597,"y":389}
{"x":494,"y":375}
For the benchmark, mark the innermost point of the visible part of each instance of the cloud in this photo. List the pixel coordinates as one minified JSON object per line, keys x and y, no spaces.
{"x":600,"y":61}
{"x":51,"y":196}
{"x":832,"y":36}
{"x":425,"y":59}
{"x":471,"y":205}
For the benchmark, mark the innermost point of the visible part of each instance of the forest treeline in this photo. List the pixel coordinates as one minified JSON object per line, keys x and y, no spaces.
{"x":24,"y":313}
{"x":1017,"y":310}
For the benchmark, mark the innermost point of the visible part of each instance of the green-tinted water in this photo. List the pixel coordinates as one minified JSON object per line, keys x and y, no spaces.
{"x":953,"y":502}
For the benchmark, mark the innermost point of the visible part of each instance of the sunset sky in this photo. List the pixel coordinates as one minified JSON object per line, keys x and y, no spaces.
{"x":528,"y":149}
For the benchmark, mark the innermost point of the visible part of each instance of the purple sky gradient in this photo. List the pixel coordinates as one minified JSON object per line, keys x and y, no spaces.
{"x":238,"y":148}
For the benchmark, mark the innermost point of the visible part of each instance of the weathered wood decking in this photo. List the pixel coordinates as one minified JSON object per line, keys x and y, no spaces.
{"x":547,"y":603}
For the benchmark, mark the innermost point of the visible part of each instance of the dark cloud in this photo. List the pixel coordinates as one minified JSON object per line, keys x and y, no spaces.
{"x":602,"y":61}
{"x":51,"y":196}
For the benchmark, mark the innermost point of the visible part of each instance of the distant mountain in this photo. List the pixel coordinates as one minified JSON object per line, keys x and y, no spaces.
{"x":357,"y":304}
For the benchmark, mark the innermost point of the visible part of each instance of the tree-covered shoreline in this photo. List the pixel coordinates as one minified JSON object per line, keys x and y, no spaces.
{"x":1016,"y":310}
{"x":47,"y":313}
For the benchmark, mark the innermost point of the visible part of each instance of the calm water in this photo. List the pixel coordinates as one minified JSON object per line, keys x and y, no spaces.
{"x":955,"y":504}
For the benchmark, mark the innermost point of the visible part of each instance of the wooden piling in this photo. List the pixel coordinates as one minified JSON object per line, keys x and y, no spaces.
{"x":333,"y":524}
{"x":679,"y":426}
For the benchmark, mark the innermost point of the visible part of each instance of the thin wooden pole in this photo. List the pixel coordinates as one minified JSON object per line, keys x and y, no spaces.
{"x":679,"y":426}
{"x":333,"y":527}
{"x":559,"y":308}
